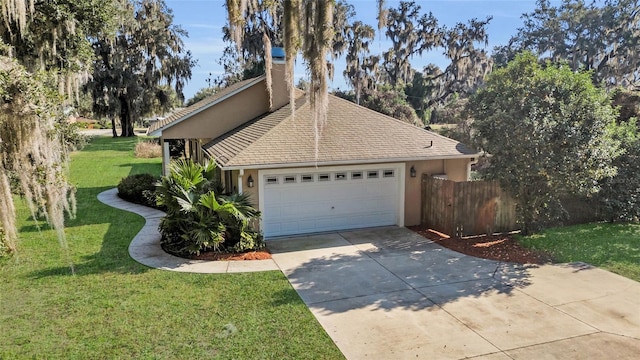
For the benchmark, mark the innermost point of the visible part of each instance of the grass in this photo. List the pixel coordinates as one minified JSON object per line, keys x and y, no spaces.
{"x":614,"y":247}
{"x":115,"y":308}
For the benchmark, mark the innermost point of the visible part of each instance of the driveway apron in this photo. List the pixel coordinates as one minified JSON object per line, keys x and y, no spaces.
{"x":389,"y":293}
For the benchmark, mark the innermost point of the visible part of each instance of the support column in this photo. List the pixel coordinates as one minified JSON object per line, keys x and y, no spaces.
{"x":240,"y":175}
{"x":166,"y":157}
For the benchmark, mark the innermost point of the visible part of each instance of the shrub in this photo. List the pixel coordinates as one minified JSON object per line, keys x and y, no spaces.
{"x":70,"y":134}
{"x":148,"y":149}
{"x":139,"y":189}
{"x":200,"y":219}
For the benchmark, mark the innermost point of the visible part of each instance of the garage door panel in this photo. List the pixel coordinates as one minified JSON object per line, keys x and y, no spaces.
{"x":306,"y":207}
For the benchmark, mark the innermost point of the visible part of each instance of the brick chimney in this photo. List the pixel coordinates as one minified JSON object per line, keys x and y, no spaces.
{"x":279,"y":92}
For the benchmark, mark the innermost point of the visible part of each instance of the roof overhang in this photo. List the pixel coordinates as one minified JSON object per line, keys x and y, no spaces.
{"x":158,"y":132}
{"x":346,"y":162}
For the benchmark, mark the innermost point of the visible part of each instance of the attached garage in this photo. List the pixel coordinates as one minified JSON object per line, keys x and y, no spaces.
{"x":357,"y":168}
{"x":309,"y":200}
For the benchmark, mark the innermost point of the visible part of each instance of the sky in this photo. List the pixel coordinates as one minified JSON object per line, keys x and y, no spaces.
{"x":204,"y":19}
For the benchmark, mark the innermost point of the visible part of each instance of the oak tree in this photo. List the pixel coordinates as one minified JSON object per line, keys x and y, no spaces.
{"x":547,"y":130}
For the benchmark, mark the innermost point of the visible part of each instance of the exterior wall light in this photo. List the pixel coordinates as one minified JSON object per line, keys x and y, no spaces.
{"x":412,"y":171}
{"x":250,"y":181}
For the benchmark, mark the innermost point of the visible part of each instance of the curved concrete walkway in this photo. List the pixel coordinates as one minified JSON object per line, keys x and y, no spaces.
{"x":145,"y":246}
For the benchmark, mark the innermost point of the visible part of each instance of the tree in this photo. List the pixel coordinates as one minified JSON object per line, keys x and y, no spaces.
{"x":307,"y":28}
{"x":620,"y":194}
{"x":387,"y":101}
{"x":467,"y":68}
{"x":547,"y":130}
{"x":343,"y":13}
{"x":603,"y":38}
{"x":44,"y":58}
{"x":410,"y":35}
{"x":131,"y":73}
{"x":358,"y":37}
{"x":244,"y":57}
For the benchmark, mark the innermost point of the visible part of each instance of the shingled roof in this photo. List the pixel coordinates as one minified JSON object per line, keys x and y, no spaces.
{"x":156,"y":128}
{"x":352,"y":134}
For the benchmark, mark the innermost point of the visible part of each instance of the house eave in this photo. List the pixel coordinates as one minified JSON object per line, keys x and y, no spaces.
{"x":158,"y":132}
{"x":345,"y":162}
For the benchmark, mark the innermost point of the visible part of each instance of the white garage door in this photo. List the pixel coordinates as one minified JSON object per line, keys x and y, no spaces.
{"x":315,"y":200}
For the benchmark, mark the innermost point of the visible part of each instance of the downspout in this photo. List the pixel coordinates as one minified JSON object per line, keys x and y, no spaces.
{"x":240,"y":175}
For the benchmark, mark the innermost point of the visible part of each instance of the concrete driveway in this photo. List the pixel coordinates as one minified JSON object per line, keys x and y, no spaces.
{"x":388,"y":293}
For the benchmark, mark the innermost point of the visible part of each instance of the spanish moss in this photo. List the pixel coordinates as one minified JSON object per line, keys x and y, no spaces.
{"x":267,"y":64}
{"x":32,"y":152}
{"x":313,"y":35}
{"x":291,"y":45}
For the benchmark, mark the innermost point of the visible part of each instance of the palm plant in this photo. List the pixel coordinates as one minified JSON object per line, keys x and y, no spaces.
{"x":198,"y":218}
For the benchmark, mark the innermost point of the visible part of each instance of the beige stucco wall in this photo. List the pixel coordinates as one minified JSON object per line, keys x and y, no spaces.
{"x":413,"y":188}
{"x":229,"y":114}
{"x":457,"y":169}
{"x":253,"y":192}
{"x":279,"y":87}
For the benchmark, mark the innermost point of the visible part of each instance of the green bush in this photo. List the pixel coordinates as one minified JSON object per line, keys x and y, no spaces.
{"x":70,"y":135}
{"x":198,"y":218}
{"x":139,"y":189}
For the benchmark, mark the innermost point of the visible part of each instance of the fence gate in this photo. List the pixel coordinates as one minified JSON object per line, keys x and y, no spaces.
{"x":466,"y":208}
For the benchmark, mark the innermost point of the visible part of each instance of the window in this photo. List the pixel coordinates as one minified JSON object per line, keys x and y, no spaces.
{"x":323,"y":177}
{"x":356,"y":175}
{"x":271,"y":180}
{"x":388,"y":173}
{"x":307,"y":178}
{"x":289,"y":179}
{"x":341,"y":176}
{"x":372,"y":174}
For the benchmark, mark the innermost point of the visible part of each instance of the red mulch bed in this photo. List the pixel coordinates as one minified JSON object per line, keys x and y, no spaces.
{"x":222,"y":256}
{"x":225,"y":256}
{"x":501,"y":247}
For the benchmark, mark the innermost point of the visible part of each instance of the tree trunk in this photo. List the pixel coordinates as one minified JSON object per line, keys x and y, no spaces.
{"x":126,"y":118}
{"x":113,"y":127}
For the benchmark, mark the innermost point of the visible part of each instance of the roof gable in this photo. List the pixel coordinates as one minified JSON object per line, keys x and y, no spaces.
{"x":183,"y":114}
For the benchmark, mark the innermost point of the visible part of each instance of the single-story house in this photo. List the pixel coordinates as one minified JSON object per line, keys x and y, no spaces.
{"x":365,"y":170}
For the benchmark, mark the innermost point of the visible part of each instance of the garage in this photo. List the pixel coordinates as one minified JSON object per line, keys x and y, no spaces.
{"x":310,"y":200}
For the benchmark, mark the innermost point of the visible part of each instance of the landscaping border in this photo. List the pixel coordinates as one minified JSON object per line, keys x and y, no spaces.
{"x":145,"y":247}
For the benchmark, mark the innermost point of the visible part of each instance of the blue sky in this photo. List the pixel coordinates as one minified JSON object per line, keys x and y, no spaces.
{"x":204,"y":19}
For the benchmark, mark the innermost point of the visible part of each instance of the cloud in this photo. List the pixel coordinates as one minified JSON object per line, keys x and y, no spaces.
{"x":206,"y":46}
{"x":203,"y":26}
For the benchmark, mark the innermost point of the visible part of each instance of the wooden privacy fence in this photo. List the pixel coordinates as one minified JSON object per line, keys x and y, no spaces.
{"x":466,"y":208}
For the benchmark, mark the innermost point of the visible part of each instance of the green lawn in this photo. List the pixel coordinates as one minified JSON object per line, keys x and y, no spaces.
{"x":116,"y":308}
{"x":614,"y":247}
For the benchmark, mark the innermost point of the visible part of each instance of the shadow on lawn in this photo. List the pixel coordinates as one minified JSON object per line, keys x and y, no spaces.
{"x":113,"y":256}
{"x":107,"y":143}
{"x":143,"y":168}
{"x":383,"y":279}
